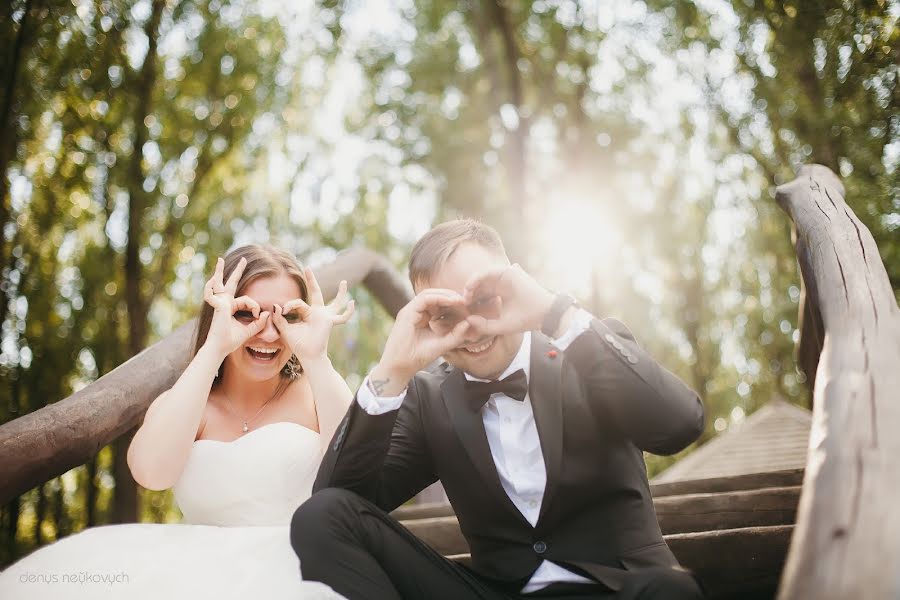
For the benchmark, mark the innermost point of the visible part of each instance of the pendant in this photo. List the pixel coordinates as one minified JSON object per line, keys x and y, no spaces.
{"x":246,"y":429}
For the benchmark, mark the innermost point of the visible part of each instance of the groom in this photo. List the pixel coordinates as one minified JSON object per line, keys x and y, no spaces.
{"x":535,"y":424}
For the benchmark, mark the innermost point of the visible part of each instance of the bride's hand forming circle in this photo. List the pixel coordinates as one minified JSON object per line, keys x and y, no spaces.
{"x":226,"y":333}
{"x":306,"y":327}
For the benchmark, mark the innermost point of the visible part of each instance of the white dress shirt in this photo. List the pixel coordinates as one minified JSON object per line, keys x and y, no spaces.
{"x":514,"y":442}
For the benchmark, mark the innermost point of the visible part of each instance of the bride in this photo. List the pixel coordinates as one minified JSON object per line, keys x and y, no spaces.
{"x":239,"y":436}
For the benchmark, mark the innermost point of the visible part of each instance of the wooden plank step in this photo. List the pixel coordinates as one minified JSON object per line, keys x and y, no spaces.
{"x":754,"y":481}
{"x":677,"y":514}
{"x":727,"y":510}
{"x":441,"y":533}
{"x":743,"y":564}
{"x":735,"y":563}
{"x":426,"y":510}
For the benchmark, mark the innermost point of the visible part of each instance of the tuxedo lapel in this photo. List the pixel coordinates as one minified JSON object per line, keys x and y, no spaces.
{"x":469,"y":426}
{"x":545,"y":391}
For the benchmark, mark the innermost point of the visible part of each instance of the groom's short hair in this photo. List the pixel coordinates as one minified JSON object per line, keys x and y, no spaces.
{"x":435,"y":247}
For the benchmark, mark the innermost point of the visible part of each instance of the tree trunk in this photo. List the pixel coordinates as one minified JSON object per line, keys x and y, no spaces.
{"x":11,"y":514}
{"x":40,"y":514}
{"x":137,"y":197}
{"x":59,"y":511}
{"x":519,"y":229}
{"x":125,"y":510}
{"x":8,"y":128}
{"x":90,"y":496}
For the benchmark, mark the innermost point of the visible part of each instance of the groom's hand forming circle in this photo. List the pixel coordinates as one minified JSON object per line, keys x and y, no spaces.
{"x":523,"y":301}
{"x":413,"y":344}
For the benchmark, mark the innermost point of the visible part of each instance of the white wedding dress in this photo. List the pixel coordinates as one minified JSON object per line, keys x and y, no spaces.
{"x":237,"y":499}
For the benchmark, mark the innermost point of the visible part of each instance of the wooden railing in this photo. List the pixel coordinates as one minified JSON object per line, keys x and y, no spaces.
{"x":62,"y":435}
{"x":847,"y":539}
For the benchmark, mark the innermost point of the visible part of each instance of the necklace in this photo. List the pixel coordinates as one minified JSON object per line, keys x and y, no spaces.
{"x":246,"y":422}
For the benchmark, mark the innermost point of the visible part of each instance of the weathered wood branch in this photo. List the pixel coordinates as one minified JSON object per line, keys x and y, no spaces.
{"x":50,"y":441}
{"x":374,"y":271}
{"x":847,"y":540}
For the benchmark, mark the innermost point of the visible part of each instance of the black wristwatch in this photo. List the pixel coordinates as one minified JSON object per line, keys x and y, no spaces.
{"x":551,"y":321}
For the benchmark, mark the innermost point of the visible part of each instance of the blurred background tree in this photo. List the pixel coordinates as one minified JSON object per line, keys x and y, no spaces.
{"x":626,"y":150}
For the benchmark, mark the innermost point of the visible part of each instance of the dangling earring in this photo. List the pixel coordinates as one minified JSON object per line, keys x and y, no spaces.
{"x":292,"y":369}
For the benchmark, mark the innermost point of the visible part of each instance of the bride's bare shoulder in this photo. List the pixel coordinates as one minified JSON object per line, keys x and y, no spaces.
{"x":212,"y":416}
{"x":298,"y":404}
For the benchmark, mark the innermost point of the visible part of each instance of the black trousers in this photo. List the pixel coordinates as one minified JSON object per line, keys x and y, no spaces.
{"x":360,"y":551}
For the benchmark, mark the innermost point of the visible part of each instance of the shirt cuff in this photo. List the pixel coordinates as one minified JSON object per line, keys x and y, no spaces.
{"x":377,"y":405}
{"x":581,"y":321}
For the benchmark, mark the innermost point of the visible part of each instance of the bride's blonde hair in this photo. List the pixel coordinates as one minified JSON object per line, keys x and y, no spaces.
{"x":262,"y":261}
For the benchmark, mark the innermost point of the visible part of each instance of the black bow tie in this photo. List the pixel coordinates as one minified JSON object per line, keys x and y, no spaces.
{"x":515,"y":386}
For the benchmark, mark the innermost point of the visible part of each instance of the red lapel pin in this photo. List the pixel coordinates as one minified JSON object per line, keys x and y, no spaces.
{"x":551,"y":353}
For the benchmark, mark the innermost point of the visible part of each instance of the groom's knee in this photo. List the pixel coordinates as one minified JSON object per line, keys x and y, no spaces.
{"x":323,"y":515}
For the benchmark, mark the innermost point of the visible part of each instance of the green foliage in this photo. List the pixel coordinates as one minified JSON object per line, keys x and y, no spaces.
{"x":823,"y":85}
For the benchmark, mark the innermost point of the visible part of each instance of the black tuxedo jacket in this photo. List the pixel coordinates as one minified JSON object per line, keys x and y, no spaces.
{"x":597,"y":406}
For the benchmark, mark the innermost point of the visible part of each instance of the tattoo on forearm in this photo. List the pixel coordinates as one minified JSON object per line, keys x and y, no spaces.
{"x":376,"y":386}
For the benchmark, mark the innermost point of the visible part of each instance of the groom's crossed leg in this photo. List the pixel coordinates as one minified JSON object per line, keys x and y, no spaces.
{"x":350,"y":544}
{"x":361,"y":552}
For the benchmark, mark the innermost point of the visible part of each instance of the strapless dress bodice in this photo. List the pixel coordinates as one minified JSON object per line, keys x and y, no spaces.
{"x":258,"y":479}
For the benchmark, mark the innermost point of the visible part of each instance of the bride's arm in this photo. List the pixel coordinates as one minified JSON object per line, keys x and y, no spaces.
{"x":308,"y":340}
{"x":330,"y":393}
{"x":160,"y":448}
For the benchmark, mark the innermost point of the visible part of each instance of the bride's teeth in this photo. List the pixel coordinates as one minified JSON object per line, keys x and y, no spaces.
{"x":264,"y":354}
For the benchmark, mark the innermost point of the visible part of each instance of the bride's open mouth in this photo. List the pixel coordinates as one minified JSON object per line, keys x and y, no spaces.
{"x":262,"y":354}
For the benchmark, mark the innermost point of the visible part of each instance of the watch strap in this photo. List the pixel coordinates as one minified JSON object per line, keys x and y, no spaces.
{"x":560,"y":305}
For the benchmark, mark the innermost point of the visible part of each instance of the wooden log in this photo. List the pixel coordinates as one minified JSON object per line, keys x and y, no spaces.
{"x":677,"y":514}
{"x":847,"y":543}
{"x":736,"y":564}
{"x":374,"y":271}
{"x":50,"y":441}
